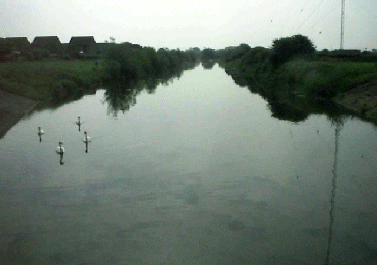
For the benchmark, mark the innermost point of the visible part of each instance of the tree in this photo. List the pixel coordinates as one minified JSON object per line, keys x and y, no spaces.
{"x":208,"y":54}
{"x":256,"y":55}
{"x":284,"y":49}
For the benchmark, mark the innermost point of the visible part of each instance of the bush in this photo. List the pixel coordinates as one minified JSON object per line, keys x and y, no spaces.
{"x":284,"y":49}
{"x":255,"y":55}
{"x":64,"y":89}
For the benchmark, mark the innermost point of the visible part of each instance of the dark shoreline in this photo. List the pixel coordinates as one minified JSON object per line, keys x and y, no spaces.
{"x":12,"y":109}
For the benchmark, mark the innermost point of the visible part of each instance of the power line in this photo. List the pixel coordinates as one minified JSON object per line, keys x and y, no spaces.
{"x":322,"y":20}
{"x":311,"y":14}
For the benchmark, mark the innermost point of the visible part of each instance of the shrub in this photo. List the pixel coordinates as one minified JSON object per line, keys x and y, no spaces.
{"x":64,"y":89}
{"x":284,"y":49}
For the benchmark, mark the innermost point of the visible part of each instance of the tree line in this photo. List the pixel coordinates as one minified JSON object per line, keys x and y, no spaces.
{"x":132,"y":61}
{"x":292,"y":65}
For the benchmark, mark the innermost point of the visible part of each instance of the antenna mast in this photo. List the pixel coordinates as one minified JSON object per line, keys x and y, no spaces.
{"x":342,"y":26}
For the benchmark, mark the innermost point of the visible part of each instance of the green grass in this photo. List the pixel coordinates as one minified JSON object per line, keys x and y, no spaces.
{"x":326,"y":79}
{"x":299,"y":83}
{"x":308,"y":78}
{"x":39,"y":79}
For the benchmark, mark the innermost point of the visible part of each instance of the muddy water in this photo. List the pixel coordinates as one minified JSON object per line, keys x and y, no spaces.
{"x":197,"y":172}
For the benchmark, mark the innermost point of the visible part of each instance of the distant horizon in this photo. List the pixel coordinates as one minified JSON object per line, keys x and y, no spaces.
{"x":109,"y":41}
{"x":194,"y":23}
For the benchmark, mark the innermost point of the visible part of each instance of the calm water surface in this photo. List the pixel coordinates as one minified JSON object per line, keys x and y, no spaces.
{"x":196,"y":173}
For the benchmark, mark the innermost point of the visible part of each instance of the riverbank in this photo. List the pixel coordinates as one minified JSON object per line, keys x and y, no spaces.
{"x":362,"y":100}
{"x":24,"y":84}
{"x":12,"y":109}
{"x":353,"y":85}
{"x":55,"y":82}
{"x":49,"y":80}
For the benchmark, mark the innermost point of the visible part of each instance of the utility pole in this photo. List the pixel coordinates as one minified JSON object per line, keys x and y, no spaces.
{"x":342,"y":26}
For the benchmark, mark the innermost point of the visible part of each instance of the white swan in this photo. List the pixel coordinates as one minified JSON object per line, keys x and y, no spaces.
{"x":60,"y":148}
{"x":78,"y":122}
{"x":87,"y":138}
{"x":40,"y":131}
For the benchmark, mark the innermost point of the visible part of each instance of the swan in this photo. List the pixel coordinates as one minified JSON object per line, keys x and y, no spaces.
{"x":40,"y":131}
{"x":60,"y":148}
{"x":87,"y":138}
{"x":78,"y":122}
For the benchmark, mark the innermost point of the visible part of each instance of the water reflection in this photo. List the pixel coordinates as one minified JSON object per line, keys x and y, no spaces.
{"x":339,"y":123}
{"x":216,"y":182}
{"x":86,"y":147}
{"x":291,"y":107}
{"x":86,"y":140}
{"x":79,"y":123}
{"x":61,"y":162}
{"x":121,"y":95}
{"x":40,"y":133}
{"x":58,"y":102}
{"x":208,"y":64}
{"x":283,"y":111}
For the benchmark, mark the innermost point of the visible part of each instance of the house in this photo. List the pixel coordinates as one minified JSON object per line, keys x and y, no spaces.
{"x":18,"y":44}
{"x":82,"y":46}
{"x":14,"y":49}
{"x":4,"y":47}
{"x":101,"y":48}
{"x":5,"y":50}
{"x":50,"y":43}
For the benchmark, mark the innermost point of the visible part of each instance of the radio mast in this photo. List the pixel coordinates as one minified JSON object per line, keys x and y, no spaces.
{"x":342,"y":26}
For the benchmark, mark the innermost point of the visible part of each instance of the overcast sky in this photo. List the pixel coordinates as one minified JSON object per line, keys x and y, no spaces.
{"x":193,"y":23}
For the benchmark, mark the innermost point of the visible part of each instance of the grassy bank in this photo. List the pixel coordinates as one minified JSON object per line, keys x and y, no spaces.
{"x":318,"y":79}
{"x":125,"y":70}
{"x":62,"y":80}
{"x":361,"y":99}
{"x":351,"y":84}
{"x":48,"y":80}
{"x":324,"y":80}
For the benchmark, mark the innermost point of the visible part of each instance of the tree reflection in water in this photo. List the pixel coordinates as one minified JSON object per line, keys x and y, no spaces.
{"x":208,"y":64}
{"x":288,"y":106}
{"x":121,"y":94}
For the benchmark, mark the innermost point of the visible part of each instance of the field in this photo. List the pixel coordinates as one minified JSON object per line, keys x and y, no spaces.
{"x":326,"y":79}
{"x":44,"y":80}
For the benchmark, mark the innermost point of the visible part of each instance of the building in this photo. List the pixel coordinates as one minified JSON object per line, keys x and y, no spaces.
{"x":19,"y":48}
{"x":18,"y":44}
{"x":82,"y":46}
{"x":50,"y":43}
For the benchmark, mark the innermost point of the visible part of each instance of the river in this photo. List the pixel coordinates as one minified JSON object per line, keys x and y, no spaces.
{"x":197,"y":171}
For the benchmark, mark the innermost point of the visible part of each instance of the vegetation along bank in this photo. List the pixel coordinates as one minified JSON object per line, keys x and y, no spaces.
{"x":292,"y":69}
{"x":54,"y":81}
{"x":290,"y":72}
